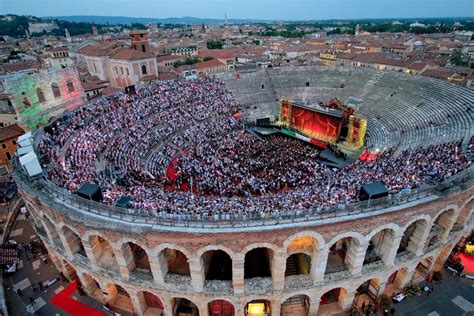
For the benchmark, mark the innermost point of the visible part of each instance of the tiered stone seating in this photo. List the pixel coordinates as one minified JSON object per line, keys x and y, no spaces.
{"x":403,"y":110}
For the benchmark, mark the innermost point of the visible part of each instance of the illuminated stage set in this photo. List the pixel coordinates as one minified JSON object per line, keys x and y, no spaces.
{"x":335,"y":129}
{"x":331,"y":123}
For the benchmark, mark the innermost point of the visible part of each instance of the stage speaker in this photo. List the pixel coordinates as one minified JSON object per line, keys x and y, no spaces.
{"x":130,"y":89}
{"x":263,"y":121}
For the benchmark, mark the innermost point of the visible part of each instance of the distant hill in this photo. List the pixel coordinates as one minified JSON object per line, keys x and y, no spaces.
{"x":129,"y":20}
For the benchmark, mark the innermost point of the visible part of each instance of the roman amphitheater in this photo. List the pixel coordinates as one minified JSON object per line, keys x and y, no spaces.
{"x":315,"y":262}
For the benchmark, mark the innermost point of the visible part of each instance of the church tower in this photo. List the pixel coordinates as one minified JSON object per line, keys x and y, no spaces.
{"x":139,"y":40}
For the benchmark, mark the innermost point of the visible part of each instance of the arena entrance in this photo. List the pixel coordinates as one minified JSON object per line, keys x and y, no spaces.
{"x":103,"y":253}
{"x":258,"y":308}
{"x":422,"y":269}
{"x":367,"y":293}
{"x":91,"y":287}
{"x":184,"y":307}
{"x":69,"y":271}
{"x":137,"y":258}
{"x":118,"y":297}
{"x":221,"y":308}
{"x":379,"y":246}
{"x":296,"y":305}
{"x":150,"y":303}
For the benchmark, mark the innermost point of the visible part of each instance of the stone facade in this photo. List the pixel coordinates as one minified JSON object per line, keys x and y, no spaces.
{"x":151,"y":268}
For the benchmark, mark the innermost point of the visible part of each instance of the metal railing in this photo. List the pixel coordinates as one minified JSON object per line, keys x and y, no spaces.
{"x":58,"y":198}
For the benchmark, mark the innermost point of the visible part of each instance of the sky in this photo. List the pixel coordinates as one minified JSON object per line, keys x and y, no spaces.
{"x":247,"y":9}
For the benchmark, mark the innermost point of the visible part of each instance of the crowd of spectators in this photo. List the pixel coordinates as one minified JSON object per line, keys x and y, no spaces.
{"x":128,"y":143}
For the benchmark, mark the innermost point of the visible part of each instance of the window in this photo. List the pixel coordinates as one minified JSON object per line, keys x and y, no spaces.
{"x":56,"y":91}
{"x":40,"y":95}
{"x":143,"y":69}
{"x":4,"y":145}
{"x":121,"y":70}
{"x":14,"y":142}
{"x":116,"y":71}
{"x":128,"y":73}
{"x":70,"y":87}
{"x":95,"y":68}
{"x":143,"y":48}
{"x":8,"y":155}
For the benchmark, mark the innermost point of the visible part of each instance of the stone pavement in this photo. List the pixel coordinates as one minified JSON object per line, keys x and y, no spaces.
{"x":454,"y":296}
{"x":32,"y":270}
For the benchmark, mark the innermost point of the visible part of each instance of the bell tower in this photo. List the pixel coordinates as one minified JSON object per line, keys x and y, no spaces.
{"x":139,"y":40}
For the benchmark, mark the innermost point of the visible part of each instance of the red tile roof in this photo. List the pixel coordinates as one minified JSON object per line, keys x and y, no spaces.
{"x":209,"y":64}
{"x":11,"y":131}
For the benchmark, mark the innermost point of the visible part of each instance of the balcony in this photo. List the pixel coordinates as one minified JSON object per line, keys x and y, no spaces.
{"x":218,"y":286}
{"x":258,"y":285}
{"x":177,"y":282}
{"x":300,"y":281}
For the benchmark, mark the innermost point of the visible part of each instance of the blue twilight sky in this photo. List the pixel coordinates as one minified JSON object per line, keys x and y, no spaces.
{"x":249,"y":9}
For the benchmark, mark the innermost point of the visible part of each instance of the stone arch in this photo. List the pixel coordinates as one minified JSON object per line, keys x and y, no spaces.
{"x":53,"y":233}
{"x":118,"y":297}
{"x":423,"y":268}
{"x":136,"y":258}
{"x":184,"y":306}
{"x":380,"y":243}
{"x":103,"y":252}
{"x":73,"y":241}
{"x":337,"y":298}
{"x":144,"y":70}
{"x":69,"y":271}
{"x":217,"y":265}
{"x":221,"y":307}
{"x":150,"y":303}
{"x":174,"y":260}
{"x":441,"y":226}
{"x":465,"y":213}
{"x":306,"y":242}
{"x":258,"y":307}
{"x":259,"y":261}
{"x":342,"y":252}
{"x":367,"y":291}
{"x":298,"y":304}
{"x":91,"y":286}
{"x":413,"y":237}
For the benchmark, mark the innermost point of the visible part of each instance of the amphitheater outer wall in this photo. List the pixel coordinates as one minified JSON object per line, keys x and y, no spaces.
{"x":449,"y":218}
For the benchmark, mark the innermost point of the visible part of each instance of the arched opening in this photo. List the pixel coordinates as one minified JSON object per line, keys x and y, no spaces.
{"x":258,"y":263}
{"x":440,"y":228}
{"x":144,"y":71}
{"x":258,"y":308}
{"x":412,"y":237}
{"x":137,"y":259}
{"x":396,"y":282}
{"x":367,"y":292}
{"x":337,"y":257}
{"x":103,"y":253}
{"x":296,"y":305}
{"x":91,"y":287}
{"x":118,"y":297}
{"x":73,"y":241}
{"x":221,"y":308}
{"x":174,"y":263}
{"x":379,"y":246}
{"x":465,"y":214}
{"x":40,"y":95}
{"x":55,"y":89}
{"x":217,"y":265}
{"x":297,"y":264}
{"x":70,"y":87}
{"x":69,"y":271}
{"x":184,"y":307}
{"x":307,"y":83}
{"x":333,"y":300}
{"x":305,"y":244}
{"x":53,"y":234}
{"x":151,"y":304}
{"x":422,"y":269}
